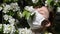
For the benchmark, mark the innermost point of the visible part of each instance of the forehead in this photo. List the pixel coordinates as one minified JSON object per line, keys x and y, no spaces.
{"x":44,"y":9}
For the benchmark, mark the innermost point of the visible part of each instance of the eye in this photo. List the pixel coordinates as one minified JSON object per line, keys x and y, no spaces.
{"x":42,"y":12}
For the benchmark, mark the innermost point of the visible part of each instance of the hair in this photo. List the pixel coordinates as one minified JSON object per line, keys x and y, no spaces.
{"x":52,"y":13}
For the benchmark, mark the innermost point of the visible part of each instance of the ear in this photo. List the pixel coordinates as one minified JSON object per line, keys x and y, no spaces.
{"x":48,"y":24}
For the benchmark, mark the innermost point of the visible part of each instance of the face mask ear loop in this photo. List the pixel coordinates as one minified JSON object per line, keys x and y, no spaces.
{"x":46,"y":23}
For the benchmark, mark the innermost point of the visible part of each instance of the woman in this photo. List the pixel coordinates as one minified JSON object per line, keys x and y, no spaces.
{"x":46,"y":23}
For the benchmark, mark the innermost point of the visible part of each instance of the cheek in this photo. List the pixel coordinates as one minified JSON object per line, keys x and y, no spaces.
{"x":46,"y":16}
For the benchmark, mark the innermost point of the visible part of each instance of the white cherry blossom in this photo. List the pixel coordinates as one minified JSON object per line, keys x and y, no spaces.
{"x":29,"y":8}
{"x":0,"y":26}
{"x":24,"y":31}
{"x":6,"y":8}
{"x":7,"y":28}
{"x":11,"y":21}
{"x":10,"y":17}
{"x":5,"y":11}
{"x":14,"y":6}
{"x":5,"y":17}
{"x":1,"y":8}
{"x":58,"y":9}
{"x":35,"y":1}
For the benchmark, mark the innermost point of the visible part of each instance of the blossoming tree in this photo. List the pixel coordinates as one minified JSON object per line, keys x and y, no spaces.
{"x":17,"y":13}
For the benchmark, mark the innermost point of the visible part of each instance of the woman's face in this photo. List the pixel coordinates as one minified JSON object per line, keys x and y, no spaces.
{"x":43,"y":11}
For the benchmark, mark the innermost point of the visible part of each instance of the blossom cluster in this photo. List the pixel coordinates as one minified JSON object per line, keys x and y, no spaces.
{"x":9,"y":10}
{"x":10,"y":28}
{"x":12,"y":6}
{"x":24,"y":31}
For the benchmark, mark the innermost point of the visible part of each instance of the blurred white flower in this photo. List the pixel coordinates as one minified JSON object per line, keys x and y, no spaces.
{"x":56,"y":1}
{"x":13,"y":29}
{"x":21,"y":31}
{"x":58,"y":9}
{"x":5,"y":11}
{"x":10,"y":17}
{"x":0,"y":26}
{"x":19,"y":14}
{"x":11,"y":21}
{"x":24,"y":31}
{"x":29,"y":8}
{"x":17,"y":21}
{"x":35,"y":1}
{"x":6,"y":8}
{"x":5,"y":17}
{"x":7,"y":28}
{"x":0,"y":8}
{"x":29,"y":31}
{"x":14,"y":6}
{"x":45,"y":3}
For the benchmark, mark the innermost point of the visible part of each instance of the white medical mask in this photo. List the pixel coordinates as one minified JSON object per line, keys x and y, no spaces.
{"x":36,"y":23}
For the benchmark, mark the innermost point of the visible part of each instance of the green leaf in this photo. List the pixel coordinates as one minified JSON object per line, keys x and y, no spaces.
{"x":7,"y":1}
{"x":49,"y":1}
{"x":11,"y":13}
{"x":16,"y":32}
{"x":26,"y":14}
